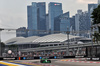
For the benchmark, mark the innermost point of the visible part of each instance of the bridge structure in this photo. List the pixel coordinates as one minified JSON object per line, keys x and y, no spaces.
{"x":74,"y":49}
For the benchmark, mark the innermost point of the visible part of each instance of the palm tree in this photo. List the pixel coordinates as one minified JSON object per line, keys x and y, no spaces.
{"x":96,"y":16}
{"x":96,"y":20}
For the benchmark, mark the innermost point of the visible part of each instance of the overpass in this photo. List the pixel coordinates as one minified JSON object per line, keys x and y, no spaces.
{"x":71,"y":46}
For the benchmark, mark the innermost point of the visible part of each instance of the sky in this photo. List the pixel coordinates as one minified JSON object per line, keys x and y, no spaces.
{"x":13,"y":13}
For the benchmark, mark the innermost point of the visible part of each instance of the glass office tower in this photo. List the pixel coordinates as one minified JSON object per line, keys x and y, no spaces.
{"x":98,"y":2}
{"x":65,"y":22}
{"x":91,"y":7}
{"x":62,"y":23}
{"x":36,"y":18}
{"x":55,"y":9}
{"x":72,"y":23}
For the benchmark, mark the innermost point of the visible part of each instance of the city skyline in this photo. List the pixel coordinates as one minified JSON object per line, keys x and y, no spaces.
{"x":36,"y":14}
{"x":16,"y":11}
{"x":50,"y":32}
{"x":11,"y":16}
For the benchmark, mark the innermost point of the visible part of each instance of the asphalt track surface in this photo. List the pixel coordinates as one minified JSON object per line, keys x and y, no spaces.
{"x":67,"y":63}
{"x":54,"y":62}
{"x":16,"y":63}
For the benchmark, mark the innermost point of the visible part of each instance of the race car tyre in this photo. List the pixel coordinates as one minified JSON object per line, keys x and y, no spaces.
{"x":49,"y":61}
{"x":41,"y":61}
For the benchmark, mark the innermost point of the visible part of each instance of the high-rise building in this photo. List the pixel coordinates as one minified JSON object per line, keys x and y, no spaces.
{"x":36,"y":18}
{"x":55,"y":9}
{"x":41,"y":16}
{"x":91,"y":7}
{"x":21,"y":32}
{"x":47,"y":23}
{"x":98,"y":2}
{"x":82,"y":23}
{"x":62,"y":23}
{"x":79,"y":12}
{"x":72,"y":23}
{"x":65,"y":22}
{"x":32,"y":19}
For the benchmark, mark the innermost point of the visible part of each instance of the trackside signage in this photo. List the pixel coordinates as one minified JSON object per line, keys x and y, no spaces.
{"x":8,"y":58}
{"x":94,"y":59}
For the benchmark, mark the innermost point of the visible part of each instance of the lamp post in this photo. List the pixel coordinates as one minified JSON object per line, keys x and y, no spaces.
{"x":0,"y":42}
{"x":92,"y":40}
{"x":68,"y":32}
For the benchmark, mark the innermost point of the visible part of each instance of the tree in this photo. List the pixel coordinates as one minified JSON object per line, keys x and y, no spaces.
{"x":96,"y":20}
{"x":96,"y":16}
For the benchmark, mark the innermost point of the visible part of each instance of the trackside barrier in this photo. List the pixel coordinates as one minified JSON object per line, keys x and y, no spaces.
{"x":51,"y":57}
{"x":19,"y":58}
{"x":94,"y":59}
{"x":68,"y":56}
{"x":8,"y":58}
{"x":32,"y":58}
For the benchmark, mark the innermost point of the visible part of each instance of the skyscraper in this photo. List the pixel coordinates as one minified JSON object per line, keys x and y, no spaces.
{"x":47,"y":22}
{"x":65,"y":22}
{"x":98,"y":2}
{"x":62,"y":23}
{"x":32,"y":19}
{"x":91,"y":7}
{"x":79,"y":12}
{"x":55,"y":9}
{"x":36,"y":18}
{"x":72,"y":23}
{"x":82,"y":23}
{"x":41,"y":16}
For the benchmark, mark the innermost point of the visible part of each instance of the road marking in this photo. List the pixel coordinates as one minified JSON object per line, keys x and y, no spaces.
{"x":10,"y":64}
{"x":28,"y":63}
{"x":71,"y":60}
{"x":2,"y":65}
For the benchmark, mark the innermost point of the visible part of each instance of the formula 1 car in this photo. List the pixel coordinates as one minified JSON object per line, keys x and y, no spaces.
{"x":45,"y":60}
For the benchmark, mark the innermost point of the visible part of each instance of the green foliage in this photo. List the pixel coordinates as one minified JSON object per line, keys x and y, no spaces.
{"x":97,"y":36}
{"x":96,"y":15}
{"x":96,"y":20}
